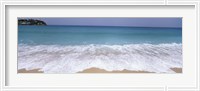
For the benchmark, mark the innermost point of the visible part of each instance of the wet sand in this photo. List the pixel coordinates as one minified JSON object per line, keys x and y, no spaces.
{"x":29,"y":71}
{"x":97,"y":70}
{"x":177,"y":70}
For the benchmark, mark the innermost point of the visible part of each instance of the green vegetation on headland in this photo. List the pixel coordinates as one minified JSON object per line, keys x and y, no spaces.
{"x":30,"y":22}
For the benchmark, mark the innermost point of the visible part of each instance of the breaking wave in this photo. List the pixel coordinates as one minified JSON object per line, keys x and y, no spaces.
{"x":157,"y":58}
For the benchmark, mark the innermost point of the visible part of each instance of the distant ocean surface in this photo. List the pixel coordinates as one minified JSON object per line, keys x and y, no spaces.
{"x":71,"y":49}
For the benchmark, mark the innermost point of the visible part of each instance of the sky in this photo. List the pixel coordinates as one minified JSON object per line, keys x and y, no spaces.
{"x":130,"y":22}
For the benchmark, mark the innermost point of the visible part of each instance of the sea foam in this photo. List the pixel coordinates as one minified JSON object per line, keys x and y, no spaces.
{"x":157,"y":58}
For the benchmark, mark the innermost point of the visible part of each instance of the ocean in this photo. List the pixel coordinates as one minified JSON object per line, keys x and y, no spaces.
{"x":71,"y":49}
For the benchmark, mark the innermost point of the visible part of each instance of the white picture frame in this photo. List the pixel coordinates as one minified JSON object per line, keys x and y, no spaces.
{"x":3,"y":25}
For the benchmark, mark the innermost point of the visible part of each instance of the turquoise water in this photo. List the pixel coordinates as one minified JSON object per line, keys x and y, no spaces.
{"x":77,"y":35}
{"x":71,"y":49}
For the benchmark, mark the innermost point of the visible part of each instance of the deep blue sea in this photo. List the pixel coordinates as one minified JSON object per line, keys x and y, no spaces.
{"x":71,"y":49}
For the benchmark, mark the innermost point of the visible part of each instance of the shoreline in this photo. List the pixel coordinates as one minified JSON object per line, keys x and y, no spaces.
{"x":29,"y":71}
{"x":98,"y":70}
{"x":177,"y":70}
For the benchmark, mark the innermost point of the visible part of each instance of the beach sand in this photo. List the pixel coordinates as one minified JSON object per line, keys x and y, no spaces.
{"x":29,"y":71}
{"x":97,"y":70}
{"x":177,"y":70}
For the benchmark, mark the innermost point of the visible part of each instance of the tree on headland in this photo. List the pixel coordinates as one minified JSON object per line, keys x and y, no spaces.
{"x":30,"y":22}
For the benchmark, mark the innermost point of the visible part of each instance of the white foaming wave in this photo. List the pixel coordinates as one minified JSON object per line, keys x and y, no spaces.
{"x":71,"y":59}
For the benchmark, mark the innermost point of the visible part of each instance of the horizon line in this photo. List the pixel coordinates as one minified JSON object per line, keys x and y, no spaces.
{"x":113,"y":26}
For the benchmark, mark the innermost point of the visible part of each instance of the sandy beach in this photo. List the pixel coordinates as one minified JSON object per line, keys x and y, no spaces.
{"x":97,"y":70}
{"x":29,"y":71}
{"x":177,"y":70}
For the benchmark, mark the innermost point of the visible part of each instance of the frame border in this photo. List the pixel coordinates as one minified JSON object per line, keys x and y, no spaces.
{"x":5,"y":3}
